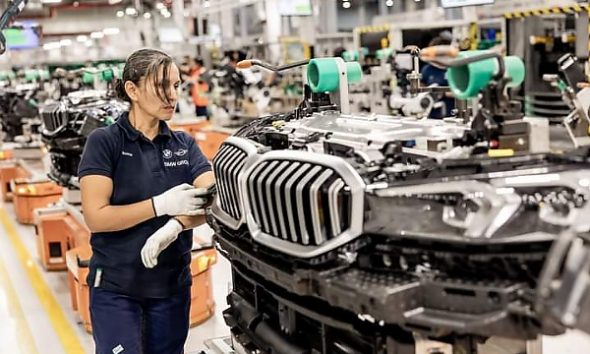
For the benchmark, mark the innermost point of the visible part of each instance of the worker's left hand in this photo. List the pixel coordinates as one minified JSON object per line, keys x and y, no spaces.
{"x":159,"y":241}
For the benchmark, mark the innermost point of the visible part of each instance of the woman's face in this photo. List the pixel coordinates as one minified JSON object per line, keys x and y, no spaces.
{"x":151,"y":103}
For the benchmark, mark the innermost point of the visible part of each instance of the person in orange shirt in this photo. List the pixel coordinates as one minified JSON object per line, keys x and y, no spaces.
{"x":199,"y":89}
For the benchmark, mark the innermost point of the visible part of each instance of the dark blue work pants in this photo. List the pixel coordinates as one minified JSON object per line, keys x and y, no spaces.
{"x":125,"y":325}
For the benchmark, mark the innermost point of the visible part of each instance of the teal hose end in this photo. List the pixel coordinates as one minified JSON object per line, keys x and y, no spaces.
{"x":323,"y":74}
{"x":515,"y":69}
{"x":88,"y":78}
{"x":354,"y":72}
{"x":350,"y":55}
{"x":384,"y":53}
{"x":31,"y":75}
{"x":107,"y":75}
{"x":467,"y":81}
{"x":44,"y":74}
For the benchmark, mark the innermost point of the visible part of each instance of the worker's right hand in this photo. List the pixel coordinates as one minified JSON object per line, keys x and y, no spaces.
{"x":183,"y":199}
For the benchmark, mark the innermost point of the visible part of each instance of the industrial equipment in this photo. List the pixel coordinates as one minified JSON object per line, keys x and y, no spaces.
{"x":353,"y":233}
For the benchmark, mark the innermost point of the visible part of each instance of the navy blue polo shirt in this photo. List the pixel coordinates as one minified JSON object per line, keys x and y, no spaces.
{"x":140,"y":169}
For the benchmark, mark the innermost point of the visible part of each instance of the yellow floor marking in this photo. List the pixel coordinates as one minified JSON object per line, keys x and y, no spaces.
{"x":65,"y":333}
{"x":23,"y":332}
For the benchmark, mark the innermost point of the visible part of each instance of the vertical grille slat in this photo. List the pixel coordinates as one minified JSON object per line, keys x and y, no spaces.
{"x":291,"y":212}
{"x":226,"y":162}
{"x":333,"y":193}
{"x":274,"y":218}
{"x":233,"y":208}
{"x":314,"y":197}
{"x":252,"y":192}
{"x":221,"y":158}
{"x":279,"y":199}
{"x":261,"y":200}
{"x":235,"y":182}
{"x":233,"y":187}
{"x":299,"y":199}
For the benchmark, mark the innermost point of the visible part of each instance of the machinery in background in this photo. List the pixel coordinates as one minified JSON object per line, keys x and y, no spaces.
{"x":374,"y":93}
{"x":575,"y":91}
{"x":406,"y":99}
{"x":239,"y":95}
{"x":19,"y":112}
{"x":68,"y":122}
{"x":352,"y":233}
{"x":20,"y":97}
{"x":226,"y":93}
{"x":294,"y":49}
{"x":66,"y":125}
{"x":542,"y":37}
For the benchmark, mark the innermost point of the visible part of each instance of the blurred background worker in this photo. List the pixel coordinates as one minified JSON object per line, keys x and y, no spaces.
{"x":435,"y":76}
{"x":199,"y":89}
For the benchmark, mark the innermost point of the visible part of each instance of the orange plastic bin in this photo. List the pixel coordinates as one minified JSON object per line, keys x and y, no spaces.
{"x":28,"y":196}
{"x":10,"y":171}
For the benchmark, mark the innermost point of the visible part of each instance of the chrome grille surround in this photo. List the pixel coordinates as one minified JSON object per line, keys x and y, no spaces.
{"x":302,"y":171}
{"x":228,"y":165}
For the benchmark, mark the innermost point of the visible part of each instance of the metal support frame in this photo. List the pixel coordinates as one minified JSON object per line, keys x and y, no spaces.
{"x":343,"y":97}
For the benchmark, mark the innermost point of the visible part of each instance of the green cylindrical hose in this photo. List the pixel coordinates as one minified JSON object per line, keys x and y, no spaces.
{"x":88,"y":78}
{"x":468,"y":80}
{"x":323,"y":74}
{"x":107,"y":75}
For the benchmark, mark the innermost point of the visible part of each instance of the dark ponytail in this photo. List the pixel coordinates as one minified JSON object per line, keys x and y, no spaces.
{"x":120,"y":91}
{"x":145,"y":64}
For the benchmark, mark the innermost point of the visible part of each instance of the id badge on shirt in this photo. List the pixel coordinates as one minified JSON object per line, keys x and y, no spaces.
{"x":97,"y":277}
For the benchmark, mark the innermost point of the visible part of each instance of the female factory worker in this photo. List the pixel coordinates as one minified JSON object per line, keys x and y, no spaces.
{"x":138,"y":181}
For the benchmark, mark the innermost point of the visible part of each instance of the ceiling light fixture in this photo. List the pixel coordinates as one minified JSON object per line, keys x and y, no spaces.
{"x":389,"y":3}
{"x":51,"y":45}
{"x":130,"y":11}
{"x":120,"y":13}
{"x":96,"y":35}
{"x":346,"y":5}
{"x":51,"y":1}
{"x":113,"y":2}
{"x":147,"y":15}
{"x":111,"y":31}
{"x":65,"y":42}
{"x":82,"y":38}
{"x":206,"y":4}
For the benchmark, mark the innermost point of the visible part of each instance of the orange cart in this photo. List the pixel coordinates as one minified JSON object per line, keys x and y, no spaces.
{"x":30,"y":195}
{"x":9,"y":171}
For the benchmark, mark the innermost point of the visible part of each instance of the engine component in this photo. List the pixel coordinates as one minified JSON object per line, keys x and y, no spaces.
{"x":66,"y":125}
{"x":347,"y":232}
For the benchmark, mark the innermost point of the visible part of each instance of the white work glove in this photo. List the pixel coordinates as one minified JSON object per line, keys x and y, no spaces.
{"x":159,"y":241}
{"x":180,"y":200}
